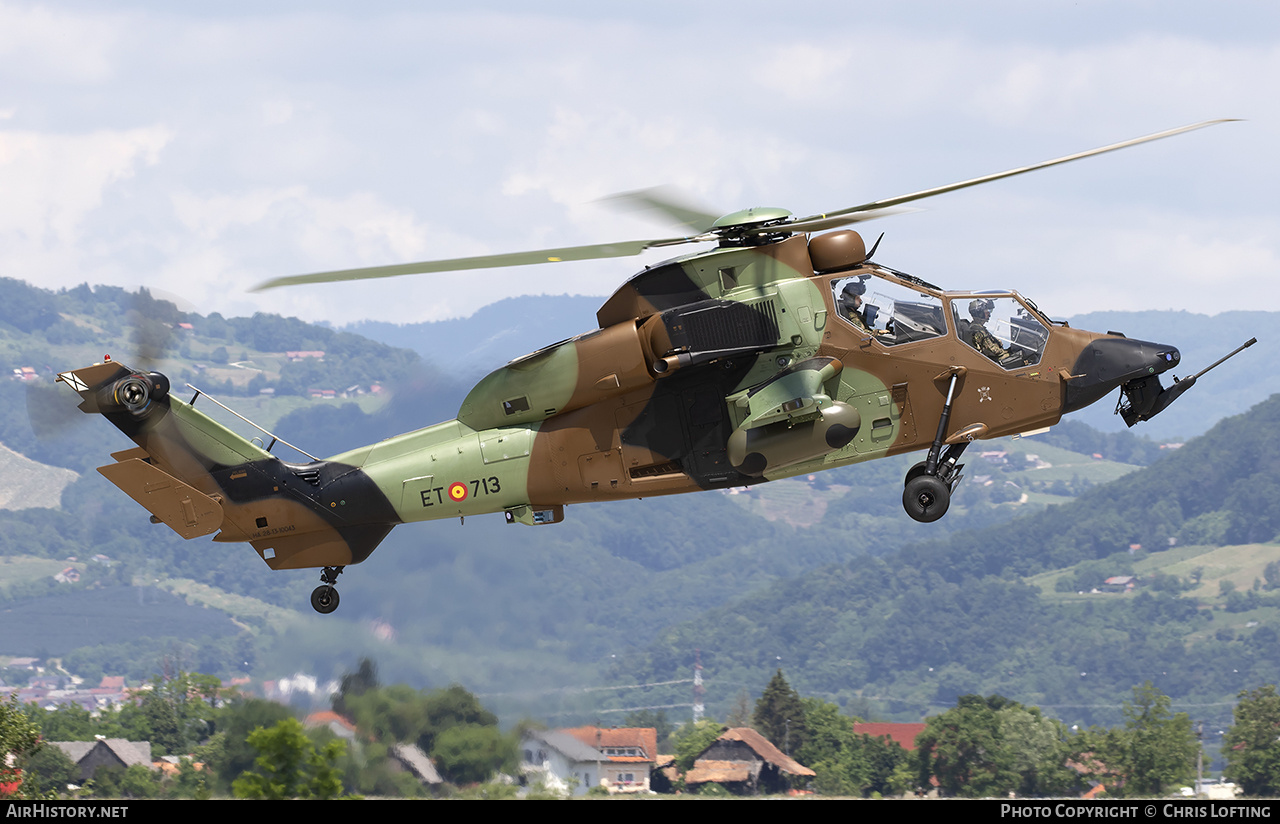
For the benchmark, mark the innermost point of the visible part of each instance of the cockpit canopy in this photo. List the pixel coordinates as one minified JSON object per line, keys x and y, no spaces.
{"x":890,"y":311}
{"x":1016,"y":330}
{"x":999,"y":325}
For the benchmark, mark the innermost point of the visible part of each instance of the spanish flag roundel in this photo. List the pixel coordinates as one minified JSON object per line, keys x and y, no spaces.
{"x":457,"y":492}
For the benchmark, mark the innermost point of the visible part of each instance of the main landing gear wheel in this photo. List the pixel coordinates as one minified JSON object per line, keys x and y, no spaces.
{"x":926,"y":498}
{"x":324,"y":599}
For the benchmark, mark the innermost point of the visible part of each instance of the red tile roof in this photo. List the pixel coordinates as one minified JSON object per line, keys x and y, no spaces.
{"x":904,"y":734}
{"x":326,"y":717}
{"x":646,"y":738}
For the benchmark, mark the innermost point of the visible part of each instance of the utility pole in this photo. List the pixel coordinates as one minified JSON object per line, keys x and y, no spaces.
{"x":1200,"y":759}
{"x":698,"y":691}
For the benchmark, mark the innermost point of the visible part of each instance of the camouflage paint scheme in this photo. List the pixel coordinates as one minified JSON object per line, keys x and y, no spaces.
{"x":725,"y":368}
{"x":781,"y":352}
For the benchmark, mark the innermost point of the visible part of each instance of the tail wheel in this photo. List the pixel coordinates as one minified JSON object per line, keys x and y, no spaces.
{"x":926,"y":498}
{"x":324,"y":599}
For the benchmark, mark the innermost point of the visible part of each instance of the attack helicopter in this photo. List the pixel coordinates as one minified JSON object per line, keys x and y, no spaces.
{"x":784,"y":350}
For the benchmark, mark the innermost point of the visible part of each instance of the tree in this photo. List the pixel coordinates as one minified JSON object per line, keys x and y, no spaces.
{"x":1157,"y":747}
{"x":992,"y":746}
{"x":290,"y":766}
{"x":692,"y":738}
{"x":651,"y":718}
{"x":740,"y":713}
{"x":136,"y":781}
{"x":960,"y":748}
{"x":470,"y":753}
{"x":1272,"y":573}
{"x":399,"y":713}
{"x":1252,"y":745}
{"x":1035,"y":750}
{"x":364,"y":679}
{"x":779,"y":715}
{"x":174,"y":712}
{"x":228,"y":754}
{"x":47,"y":772}
{"x":832,"y":750}
{"x":19,"y":736}
{"x":68,"y":722}
{"x":191,"y":782}
{"x":451,"y":707}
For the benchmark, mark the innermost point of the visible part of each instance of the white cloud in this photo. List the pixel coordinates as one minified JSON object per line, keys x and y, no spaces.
{"x":37,"y":42}
{"x":51,"y":182}
{"x":321,"y":139}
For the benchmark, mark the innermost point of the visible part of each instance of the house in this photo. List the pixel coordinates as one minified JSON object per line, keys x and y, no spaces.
{"x":904,"y":734}
{"x":559,"y":761}
{"x":91,"y":756}
{"x":411,"y":759}
{"x":745,"y":762}
{"x":339,"y":726}
{"x":70,"y":575}
{"x":629,"y":754}
{"x":1120,"y":583}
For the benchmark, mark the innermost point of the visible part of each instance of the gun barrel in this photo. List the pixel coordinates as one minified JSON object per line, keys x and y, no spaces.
{"x":1224,"y":358}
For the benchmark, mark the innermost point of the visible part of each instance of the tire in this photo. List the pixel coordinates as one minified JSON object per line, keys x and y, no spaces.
{"x":926,"y":498}
{"x":324,"y":599}
{"x":914,"y":472}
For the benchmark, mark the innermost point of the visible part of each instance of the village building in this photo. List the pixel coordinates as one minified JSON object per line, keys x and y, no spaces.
{"x":91,"y":756}
{"x":903,"y":734}
{"x":629,"y":754}
{"x":577,"y":759}
{"x":745,"y":763}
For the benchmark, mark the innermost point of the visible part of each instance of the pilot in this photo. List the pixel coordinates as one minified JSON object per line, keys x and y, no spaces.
{"x":978,"y":337}
{"x":851,"y":304}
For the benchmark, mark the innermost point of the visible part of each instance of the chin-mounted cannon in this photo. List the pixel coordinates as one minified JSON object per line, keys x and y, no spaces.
{"x":1144,"y":398}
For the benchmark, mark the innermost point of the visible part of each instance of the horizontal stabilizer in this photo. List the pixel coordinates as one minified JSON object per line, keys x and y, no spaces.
{"x":184,"y":509}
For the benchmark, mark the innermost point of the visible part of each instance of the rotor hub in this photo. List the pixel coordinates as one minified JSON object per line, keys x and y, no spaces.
{"x":744,"y":227}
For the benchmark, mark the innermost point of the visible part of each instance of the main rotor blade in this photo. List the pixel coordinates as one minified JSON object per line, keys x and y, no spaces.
{"x":665,"y":201}
{"x":821,"y":224}
{"x":693,"y":218}
{"x":594,"y":252}
{"x":964,"y":184}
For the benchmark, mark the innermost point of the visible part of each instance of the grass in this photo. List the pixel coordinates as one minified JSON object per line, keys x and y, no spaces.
{"x":1241,"y":565}
{"x":21,"y":569}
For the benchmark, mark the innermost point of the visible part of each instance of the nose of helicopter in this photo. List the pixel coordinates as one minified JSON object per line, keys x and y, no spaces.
{"x":1113,"y":361}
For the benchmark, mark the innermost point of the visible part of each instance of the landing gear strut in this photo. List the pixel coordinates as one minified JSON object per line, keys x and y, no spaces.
{"x":928,"y":485}
{"x":324,"y":598}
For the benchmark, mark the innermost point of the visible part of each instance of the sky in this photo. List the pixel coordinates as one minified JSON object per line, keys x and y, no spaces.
{"x":201,"y":148}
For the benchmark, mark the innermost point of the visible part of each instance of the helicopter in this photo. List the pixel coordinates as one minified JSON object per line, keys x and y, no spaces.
{"x":784,"y":350}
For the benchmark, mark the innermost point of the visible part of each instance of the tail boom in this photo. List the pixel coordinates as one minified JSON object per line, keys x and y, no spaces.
{"x":198,"y":477}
